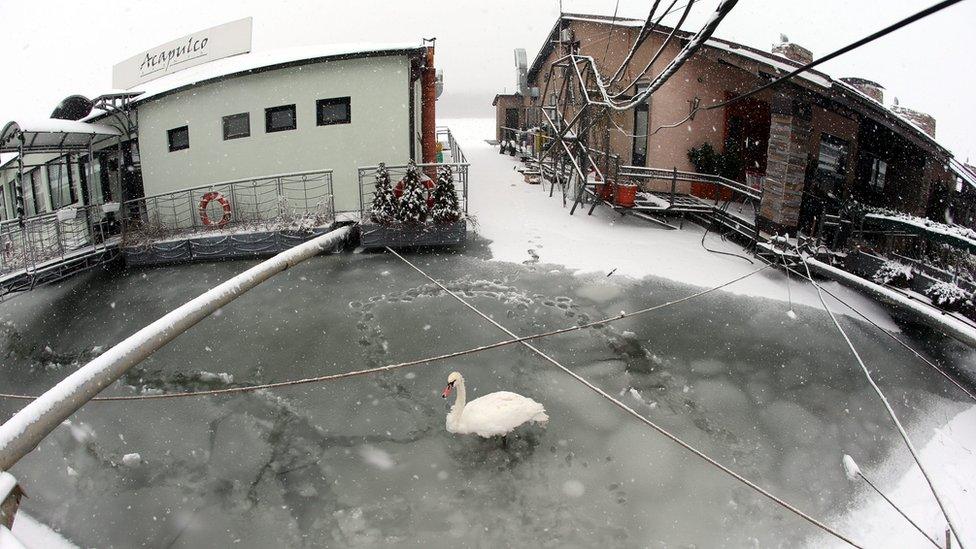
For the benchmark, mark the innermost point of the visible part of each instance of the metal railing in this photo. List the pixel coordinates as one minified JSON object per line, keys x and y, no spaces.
{"x":297,"y":201}
{"x":445,"y":137}
{"x":34,"y":242}
{"x":458,"y":166}
{"x":660,"y":174}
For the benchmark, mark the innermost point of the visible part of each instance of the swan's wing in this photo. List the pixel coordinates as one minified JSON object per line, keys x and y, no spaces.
{"x":499,"y":413}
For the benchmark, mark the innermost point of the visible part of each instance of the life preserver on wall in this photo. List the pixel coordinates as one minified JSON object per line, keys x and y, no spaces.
{"x":428,"y":184}
{"x":224,"y":204}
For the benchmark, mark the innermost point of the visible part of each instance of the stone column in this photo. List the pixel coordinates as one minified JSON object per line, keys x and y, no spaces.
{"x":786,"y":164}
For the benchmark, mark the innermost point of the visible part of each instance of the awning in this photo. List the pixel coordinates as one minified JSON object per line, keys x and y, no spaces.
{"x":52,"y":135}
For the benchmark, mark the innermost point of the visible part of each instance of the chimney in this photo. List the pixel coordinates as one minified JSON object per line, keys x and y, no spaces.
{"x":925,"y":121}
{"x":791,"y":51}
{"x":867,"y":87}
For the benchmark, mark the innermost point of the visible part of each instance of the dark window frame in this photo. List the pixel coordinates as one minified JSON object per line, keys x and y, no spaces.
{"x":224,"y":120}
{"x":347,"y":101}
{"x":169,"y":138}
{"x":270,"y":111}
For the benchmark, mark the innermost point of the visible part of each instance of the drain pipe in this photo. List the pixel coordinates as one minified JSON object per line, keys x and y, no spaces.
{"x":428,"y":100}
{"x":28,"y":427}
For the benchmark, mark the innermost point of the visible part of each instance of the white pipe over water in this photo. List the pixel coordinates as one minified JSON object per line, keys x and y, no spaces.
{"x":25,"y":430}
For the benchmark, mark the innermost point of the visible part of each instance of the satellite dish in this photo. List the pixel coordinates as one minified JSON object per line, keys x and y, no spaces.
{"x":74,"y":107}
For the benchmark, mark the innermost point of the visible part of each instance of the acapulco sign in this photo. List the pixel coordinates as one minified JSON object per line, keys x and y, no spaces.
{"x":189,"y":51}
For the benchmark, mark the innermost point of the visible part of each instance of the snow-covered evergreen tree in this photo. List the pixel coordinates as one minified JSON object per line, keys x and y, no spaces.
{"x":412,"y":207}
{"x":446,"y":208}
{"x":384,"y":207}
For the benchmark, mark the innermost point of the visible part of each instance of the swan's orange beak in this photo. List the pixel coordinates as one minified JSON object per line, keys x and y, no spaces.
{"x":447,"y":390}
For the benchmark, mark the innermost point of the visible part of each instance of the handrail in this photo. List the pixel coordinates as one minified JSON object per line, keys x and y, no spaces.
{"x":231,"y":182}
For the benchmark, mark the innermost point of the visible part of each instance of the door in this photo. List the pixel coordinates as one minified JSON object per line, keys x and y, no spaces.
{"x":511,"y":121}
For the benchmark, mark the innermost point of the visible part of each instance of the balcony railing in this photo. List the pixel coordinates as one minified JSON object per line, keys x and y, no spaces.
{"x":292,"y":201}
{"x":34,"y":242}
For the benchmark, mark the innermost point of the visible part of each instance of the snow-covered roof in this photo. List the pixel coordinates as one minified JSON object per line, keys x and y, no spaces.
{"x":618,"y":21}
{"x":779,"y":63}
{"x":265,"y":60}
{"x":51,"y":134}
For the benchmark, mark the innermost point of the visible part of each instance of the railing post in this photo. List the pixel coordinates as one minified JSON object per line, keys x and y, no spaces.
{"x":674,"y":184}
{"x":10,"y":494}
{"x":281,"y":206}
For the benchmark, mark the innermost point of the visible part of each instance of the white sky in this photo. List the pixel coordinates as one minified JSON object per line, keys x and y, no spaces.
{"x":56,"y":48}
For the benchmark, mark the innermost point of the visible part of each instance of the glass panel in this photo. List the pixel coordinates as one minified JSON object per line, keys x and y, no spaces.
{"x":237,"y":125}
{"x":280,"y":118}
{"x":333,"y":111}
{"x":179,"y":138}
{"x":59,"y":183}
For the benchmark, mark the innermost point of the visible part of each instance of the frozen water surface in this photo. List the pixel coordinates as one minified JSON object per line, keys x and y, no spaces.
{"x":367,"y":461}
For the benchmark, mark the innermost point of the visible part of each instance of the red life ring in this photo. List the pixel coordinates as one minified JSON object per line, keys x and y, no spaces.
{"x":207,"y":199}
{"x":428,"y":184}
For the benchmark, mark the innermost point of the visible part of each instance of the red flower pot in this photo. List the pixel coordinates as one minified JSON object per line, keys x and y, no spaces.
{"x":604,"y":191}
{"x":624,"y":194}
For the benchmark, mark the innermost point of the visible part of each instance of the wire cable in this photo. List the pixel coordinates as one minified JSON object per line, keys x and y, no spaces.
{"x":633,"y":412}
{"x":888,"y":333}
{"x":660,"y":50}
{"x":836,"y":53}
{"x":613,"y":22}
{"x":643,"y":34}
{"x":884,"y":400}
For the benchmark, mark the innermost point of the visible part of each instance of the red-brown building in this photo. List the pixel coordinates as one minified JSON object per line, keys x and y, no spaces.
{"x":814,"y":139}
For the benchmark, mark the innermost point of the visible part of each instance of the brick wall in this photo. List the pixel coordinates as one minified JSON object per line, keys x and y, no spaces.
{"x":789,"y":134}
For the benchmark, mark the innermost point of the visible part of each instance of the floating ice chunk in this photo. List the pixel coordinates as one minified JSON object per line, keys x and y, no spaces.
{"x":850,"y":468}
{"x":410,"y":375}
{"x":636,"y":394}
{"x":791,"y":314}
{"x":376,"y":457}
{"x":132,"y":460}
{"x":223,"y":377}
{"x":574,"y":488}
{"x":71,"y":471}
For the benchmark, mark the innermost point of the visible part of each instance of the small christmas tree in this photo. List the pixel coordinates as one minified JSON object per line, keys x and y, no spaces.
{"x":384,"y":208}
{"x":412,"y":207}
{"x":446,"y":209}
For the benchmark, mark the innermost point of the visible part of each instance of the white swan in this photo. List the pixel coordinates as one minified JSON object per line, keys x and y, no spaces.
{"x":491,"y":415}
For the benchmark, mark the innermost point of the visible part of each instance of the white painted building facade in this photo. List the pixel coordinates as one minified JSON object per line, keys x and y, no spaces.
{"x":258,"y":114}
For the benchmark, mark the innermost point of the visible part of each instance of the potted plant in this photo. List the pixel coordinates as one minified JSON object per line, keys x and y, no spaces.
{"x":625,"y":193}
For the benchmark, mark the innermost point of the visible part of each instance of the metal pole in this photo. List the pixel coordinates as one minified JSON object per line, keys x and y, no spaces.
{"x":28,"y":427}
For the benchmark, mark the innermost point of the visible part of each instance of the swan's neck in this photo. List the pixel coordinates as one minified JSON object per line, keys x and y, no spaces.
{"x":460,"y":400}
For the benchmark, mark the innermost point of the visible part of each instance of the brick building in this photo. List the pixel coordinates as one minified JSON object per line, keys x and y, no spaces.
{"x":814,"y":140}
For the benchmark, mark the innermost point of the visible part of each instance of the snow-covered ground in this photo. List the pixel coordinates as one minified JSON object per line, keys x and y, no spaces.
{"x":34,"y":535}
{"x":525,"y":224}
{"x":949,"y":455}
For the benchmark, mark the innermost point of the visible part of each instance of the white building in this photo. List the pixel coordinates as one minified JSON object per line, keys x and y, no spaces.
{"x":245,"y":116}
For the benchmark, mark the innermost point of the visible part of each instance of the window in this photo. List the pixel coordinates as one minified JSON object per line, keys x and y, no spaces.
{"x":832,"y":163}
{"x":237,"y":126}
{"x":333,"y":111}
{"x":32,"y":194}
{"x":279,"y":119}
{"x":638,"y":153}
{"x":876,"y":173}
{"x":179,"y":138}
{"x":60,"y":183}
